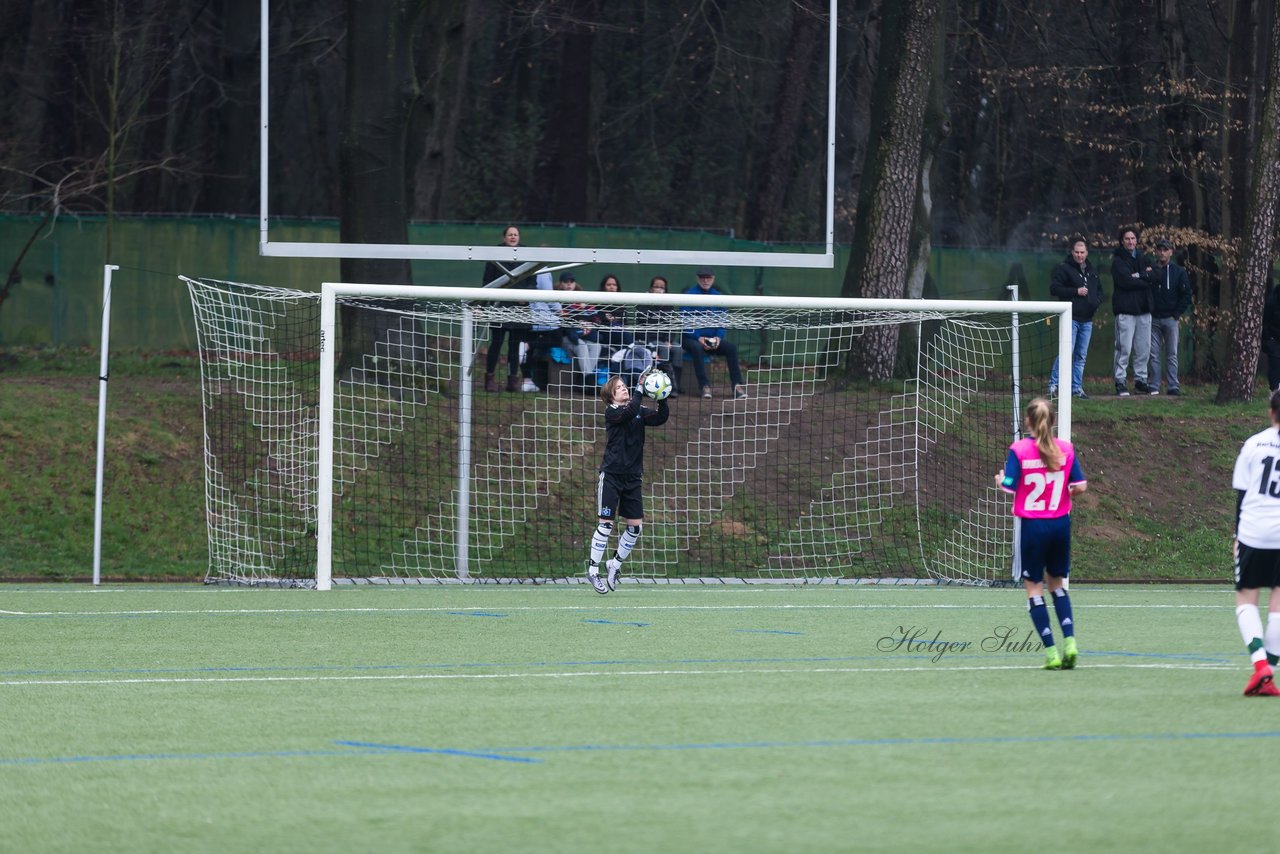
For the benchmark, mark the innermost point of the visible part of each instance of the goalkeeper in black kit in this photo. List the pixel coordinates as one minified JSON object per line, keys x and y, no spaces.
{"x":618,"y":488}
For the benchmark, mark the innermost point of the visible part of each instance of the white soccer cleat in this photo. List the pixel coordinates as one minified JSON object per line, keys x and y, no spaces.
{"x":614,"y":568}
{"x":529,"y":385}
{"x":596,"y":581}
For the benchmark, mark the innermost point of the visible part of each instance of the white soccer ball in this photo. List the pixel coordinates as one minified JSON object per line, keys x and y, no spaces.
{"x":657,"y":385}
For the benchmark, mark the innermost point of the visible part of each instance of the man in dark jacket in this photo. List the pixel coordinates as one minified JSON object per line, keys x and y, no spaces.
{"x":1271,"y":335}
{"x":1170,"y":298}
{"x":1131,"y":302}
{"x":1076,"y":280}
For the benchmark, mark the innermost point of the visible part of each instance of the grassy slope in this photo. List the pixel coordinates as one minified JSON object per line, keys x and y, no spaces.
{"x":1159,"y":506}
{"x":153,"y":521}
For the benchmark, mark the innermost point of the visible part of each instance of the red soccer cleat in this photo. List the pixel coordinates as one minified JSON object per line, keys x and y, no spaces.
{"x":1268,"y":689}
{"x":1261,"y":683}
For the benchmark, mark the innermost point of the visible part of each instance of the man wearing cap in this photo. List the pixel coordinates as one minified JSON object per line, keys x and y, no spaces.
{"x":1131,"y":303}
{"x":704,"y":335}
{"x":1170,"y":298}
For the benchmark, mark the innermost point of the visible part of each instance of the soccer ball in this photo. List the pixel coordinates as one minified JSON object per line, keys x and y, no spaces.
{"x":657,"y":385}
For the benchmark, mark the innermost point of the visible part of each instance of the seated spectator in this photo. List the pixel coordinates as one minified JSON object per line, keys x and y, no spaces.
{"x":663,"y":336}
{"x":612,"y":335}
{"x":705,"y":336}
{"x":580,"y":339}
{"x":543,"y":335}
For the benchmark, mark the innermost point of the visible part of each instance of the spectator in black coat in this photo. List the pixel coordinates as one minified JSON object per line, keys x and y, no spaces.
{"x":1076,"y":280}
{"x":1131,"y":302}
{"x":1170,"y":299}
{"x":1271,"y":336}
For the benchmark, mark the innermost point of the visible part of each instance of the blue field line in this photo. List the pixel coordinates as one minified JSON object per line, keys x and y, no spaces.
{"x":187,"y":757}
{"x":474,"y":614}
{"x":404,"y":748}
{"x":928,"y":655}
{"x":510,"y":754}
{"x":617,"y":623}
{"x":766,"y":632}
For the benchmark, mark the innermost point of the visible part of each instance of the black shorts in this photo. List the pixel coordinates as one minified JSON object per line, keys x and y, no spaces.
{"x":618,"y":497}
{"x":1257,"y":568}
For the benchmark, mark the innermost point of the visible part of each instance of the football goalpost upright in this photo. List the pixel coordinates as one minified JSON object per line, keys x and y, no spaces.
{"x":335,"y":459}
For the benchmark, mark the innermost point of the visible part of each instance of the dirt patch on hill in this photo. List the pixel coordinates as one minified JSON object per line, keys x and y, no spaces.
{"x":1153,"y":475}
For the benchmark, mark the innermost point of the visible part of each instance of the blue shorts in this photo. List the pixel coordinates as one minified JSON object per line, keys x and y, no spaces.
{"x":1044,"y":546}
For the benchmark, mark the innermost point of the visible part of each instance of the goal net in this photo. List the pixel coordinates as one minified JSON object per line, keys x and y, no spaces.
{"x":352,"y":435}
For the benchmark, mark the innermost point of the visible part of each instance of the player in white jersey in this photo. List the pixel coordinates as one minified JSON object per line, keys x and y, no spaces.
{"x":1257,"y":550}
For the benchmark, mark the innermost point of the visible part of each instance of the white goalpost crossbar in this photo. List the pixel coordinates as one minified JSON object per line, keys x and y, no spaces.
{"x":824,"y":259}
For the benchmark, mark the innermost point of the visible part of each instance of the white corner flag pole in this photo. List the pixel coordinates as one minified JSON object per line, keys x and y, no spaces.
{"x":102,"y":421}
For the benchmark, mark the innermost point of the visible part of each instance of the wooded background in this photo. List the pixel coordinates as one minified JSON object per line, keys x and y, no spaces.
{"x":985,"y":123}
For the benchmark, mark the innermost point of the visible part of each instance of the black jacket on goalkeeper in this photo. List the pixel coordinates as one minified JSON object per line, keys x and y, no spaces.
{"x":1065,"y":283}
{"x":624,"y":429}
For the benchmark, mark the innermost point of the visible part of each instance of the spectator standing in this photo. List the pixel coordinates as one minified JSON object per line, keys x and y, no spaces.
{"x":1170,"y":299}
{"x":1271,"y":336}
{"x":705,"y":336}
{"x":510,"y":331}
{"x":1075,"y":280}
{"x":1256,"y":480}
{"x":1131,"y":303}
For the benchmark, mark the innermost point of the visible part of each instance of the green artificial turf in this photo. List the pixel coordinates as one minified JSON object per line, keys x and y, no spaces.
{"x":654,"y":719}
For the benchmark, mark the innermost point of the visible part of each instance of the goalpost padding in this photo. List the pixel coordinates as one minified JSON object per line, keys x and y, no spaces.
{"x":396,"y":466}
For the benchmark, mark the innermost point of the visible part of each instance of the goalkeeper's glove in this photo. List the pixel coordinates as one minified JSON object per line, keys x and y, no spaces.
{"x":640,"y":388}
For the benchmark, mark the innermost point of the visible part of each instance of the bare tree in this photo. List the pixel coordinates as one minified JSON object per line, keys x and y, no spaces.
{"x":382,"y":91}
{"x":886,"y":205}
{"x":1240,"y":372}
{"x":767,"y":207}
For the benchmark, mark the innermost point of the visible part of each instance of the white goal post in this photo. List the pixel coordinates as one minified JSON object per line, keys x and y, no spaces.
{"x":811,"y":259}
{"x":353,"y":435}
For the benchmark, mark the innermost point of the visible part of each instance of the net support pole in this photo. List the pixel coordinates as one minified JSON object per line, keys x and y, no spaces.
{"x":1015,"y":364}
{"x":264,"y":123}
{"x":107,"y":270}
{"x":324,"y":444}
{"x":1064,"y":372}
{"x":1016,"y":383}
{"x":462,"y":546}
{"x":831,"y":130}
{"x":1064,"y":400}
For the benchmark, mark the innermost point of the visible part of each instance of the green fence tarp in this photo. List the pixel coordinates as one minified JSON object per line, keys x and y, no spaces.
{"x":56,"y":298}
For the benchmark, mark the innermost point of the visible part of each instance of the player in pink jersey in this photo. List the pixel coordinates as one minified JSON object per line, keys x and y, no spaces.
{"x":1043,"y":474}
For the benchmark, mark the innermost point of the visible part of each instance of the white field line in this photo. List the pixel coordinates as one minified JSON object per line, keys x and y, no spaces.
{"x":706,"y":589}
{"x":801,"y":671}
{"x":443,"y":609}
